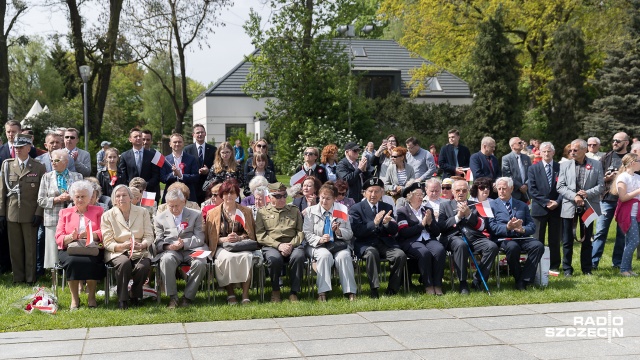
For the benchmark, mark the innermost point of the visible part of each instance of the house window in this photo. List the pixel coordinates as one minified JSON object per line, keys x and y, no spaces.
{"x":374,"y":86}
{"x":232,"y":130}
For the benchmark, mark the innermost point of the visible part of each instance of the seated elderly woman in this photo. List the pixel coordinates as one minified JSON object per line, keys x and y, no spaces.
{"x":127,"y":234}
{"x":184,"y":189}
{"x":179,"y":233}
{"x":231,"y":223}
{"x":255,"y":182}
{"x":310,"y":187}
{"x":323,"y":232}
{"x":481,"y":189}
{"x":81,"y":224}
{"x":418,"y":237}
{"x":260,"y":196}
{"x":98,"y":199}
{"x":343,"y":191}
{"x":213,"y":201}
{"x":54,"y":196}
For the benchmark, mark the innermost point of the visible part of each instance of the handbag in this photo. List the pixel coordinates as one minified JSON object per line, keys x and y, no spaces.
{"x":336,"y":246}
{"x":242,"y":245}
{"x":78,"y":248}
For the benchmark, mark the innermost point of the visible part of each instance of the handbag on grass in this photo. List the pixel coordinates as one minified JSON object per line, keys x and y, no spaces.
{"x":242,"y":245}
{"x":79,"y":248}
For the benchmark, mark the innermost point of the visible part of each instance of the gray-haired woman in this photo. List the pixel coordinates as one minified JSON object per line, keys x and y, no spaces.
{"x":54,"y":196}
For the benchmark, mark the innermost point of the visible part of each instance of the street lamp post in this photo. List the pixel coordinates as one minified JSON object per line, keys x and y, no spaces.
{"x":85,"y":72}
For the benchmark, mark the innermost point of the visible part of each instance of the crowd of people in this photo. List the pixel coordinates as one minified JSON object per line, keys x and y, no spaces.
{"x":396,"y":204}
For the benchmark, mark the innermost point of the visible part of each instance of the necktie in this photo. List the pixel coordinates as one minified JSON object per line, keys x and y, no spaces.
{"x":490,"y":165}
{"x":521,"y":168}
{"x":139,"y":162}
{"x":327,"y":225}
{"x":13,"y":152}
{"x":509,"y":209}
{"x":375,"y":210}
{"x":549,"y":178}
{"x":201,"y":156}
{"x":22,"y":166}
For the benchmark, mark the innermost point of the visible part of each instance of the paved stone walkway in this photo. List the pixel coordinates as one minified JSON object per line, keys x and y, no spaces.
{"x":509,"y":332}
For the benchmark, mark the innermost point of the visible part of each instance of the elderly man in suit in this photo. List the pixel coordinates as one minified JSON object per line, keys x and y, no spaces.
{"x":484,"y":163}
{"x":81,"y":158}
{"x":374,"y":229}
{"x":580,"y":183}
{"x":516,"y":166}
{"x":513,"y":223}
{"x":136,"y":162}
{"x":546,"y":202}
{"x":205,"y":154}
{"x":179,"y":233}
{"x":453,"y":157}
{"x":352,"y":171}
{"x":458,"y":218}
{"x":181,"y":167}
{"x":19,"y":210}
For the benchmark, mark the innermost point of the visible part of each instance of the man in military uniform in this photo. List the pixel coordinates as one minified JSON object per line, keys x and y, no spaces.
{"x":19,"y":210}
{"x":279,"y":231}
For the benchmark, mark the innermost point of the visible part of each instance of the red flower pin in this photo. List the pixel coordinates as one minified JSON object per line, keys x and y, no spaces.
{"x":588,"y":166}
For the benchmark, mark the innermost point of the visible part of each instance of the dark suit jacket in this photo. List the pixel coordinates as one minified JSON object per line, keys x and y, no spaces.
{"x":410,"y":228}
{"x":480,"y":166}
{"x":511,"y":169}
{"x":447,"y":159}
{"x":366,"y":233}
{"x":501,"y":217}
{"x":301,"y":203}
{"x":539,"y":189}
{"x":127,"y":170}
{"x":209,"y":157}
{"x":449,"y":227}
{"x":351,"y":175}
{"x":6,"y":154}
{"x":190,"y":174}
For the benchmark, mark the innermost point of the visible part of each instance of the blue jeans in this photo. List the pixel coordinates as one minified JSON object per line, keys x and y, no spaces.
{"x":632,"y":240}
{"x":608,"y":208}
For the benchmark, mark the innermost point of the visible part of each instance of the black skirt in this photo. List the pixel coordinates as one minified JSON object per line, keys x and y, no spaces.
{"x":81,"y":267}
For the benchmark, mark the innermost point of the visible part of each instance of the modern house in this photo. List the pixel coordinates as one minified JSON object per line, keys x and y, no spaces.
{"x":384,"y":64}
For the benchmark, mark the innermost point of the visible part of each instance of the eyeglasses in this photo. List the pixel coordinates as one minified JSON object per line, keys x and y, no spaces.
{"x":215,"y":194}
{"x":55,"y":161}
{"x":448,"y":187}
{"x":572,"y":151}
{"x":70,"y":137}
{"x":395,"y":156}
{"x":342,"y":193}
{"x":482,"y":187}
{"x":461,"y":190}
{"x":592,"y":144}
{"x":261,"y":146}
{"x":310,"y":154}
{"x":616,"y":141}
{"x":279,"y":196}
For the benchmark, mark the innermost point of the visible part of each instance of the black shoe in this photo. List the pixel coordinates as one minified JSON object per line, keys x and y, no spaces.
{"x":521,"y":285}
{"x":464,"y":288}
{"x":134,"y":302}
{"x":587,"y":273}
{"x":476,"y":285}
{"x":123,"y":305}
{"x":390,"y":292}
{"x":568,"y":274}
{"x":374,"y":294}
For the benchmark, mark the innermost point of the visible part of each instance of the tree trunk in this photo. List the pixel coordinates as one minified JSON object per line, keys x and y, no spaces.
{"x":4,"y":57}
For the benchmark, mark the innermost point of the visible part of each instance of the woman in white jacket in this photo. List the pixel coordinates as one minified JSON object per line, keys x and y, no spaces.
{"x":326,"y":236}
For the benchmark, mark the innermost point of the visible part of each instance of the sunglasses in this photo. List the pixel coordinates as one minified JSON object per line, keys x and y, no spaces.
{"x":482,"y":187}
{"x":261,"y":146}
{"x":55,"y":161}
{"x":279,"y":196}
{"x":310,"y":154}
{"x":215,"y":194}
{"x":446,"y":188}
{"x":616,"y":141}
{"x":342,"y":193}
{"x":70,"y":137}
{"x":394,"y":156}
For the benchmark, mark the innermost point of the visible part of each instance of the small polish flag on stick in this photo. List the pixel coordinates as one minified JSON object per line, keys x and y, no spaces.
{"x":484,"y":209}
{"x":468,"y":176}
{"x":340,"y":211}
{"x":554,"y":273}
{"x":200,"y":254}
{"x":298,"y":177}
{"x":158,"y":159}
{"x":239,"y":217}
{"x":133,"y":243}
{"x":148,"y":198}
{"x":90,"y":234}
{"x":589,"y":216}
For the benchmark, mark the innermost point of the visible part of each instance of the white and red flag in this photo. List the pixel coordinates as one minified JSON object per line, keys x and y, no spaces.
{"x":239,"y":217}
{"x":148,"y":198}
{"x":298,"y":177}
{"x":340,"y":211}
{"x":589,"y":216}
{"x":468,"y":175}
{"x":484,"y":209}
{"x":158,"y":159}
{"x":89,"y":233}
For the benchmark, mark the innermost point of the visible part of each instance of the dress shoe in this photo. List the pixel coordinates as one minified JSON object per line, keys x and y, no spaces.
{"x":429,"y":290}
{"x":134,"y":302}
{"x":438,"y":290}
{"x":352,"y":297}
{"x":464,"y":288}
{"x":293,"y":298}
{"x":568,"y":274}
{"x":374,"y":294}
{"x":275,"y":296}
{"x":173,"y":303}
{"x":184,"y":302}
{"x":123,"y":305}
{"x":521,"y":285}
{"x":390,"y":292}
{"x":477,"y":285}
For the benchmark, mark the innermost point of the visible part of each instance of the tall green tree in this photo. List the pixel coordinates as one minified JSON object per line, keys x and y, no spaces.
{"x":309,"y":74}
{"x":618,"y":85}
{"x":10,"y":12}
{"x":124,"y":102}
{"x":496,"y":109}
{"x":569,"y":64}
